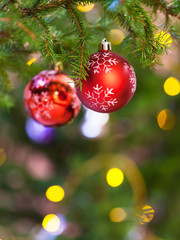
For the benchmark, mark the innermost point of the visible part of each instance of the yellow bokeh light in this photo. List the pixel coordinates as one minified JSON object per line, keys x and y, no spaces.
{"x":55,"y":193}
{"x":117,"y":215}
{"x":166,"y":119}
{"x":164,"y":38}
{"x":114,"y":177}
{"x":116,"y":36}
{"x":31,"y":61}
{"x":172,"y":86}
{"x":146,"y":215}
{"x":85,"y":8}
{"x":51,"y":223}
{"x":2,"y":156}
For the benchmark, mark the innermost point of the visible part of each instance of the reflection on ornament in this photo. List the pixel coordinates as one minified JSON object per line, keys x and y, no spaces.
{"x":55,"y":193}
{"x":117,"y":215}
{"x":164,"y":38}
{"x":146,"y":214}
{"x":115,"y":177}
{"x":50,"y":99}
{"x":172,"y":86}
{"x":39,"y":133}
{"x":166,"y":119}
{"x":85,"y":8}
{"x":116,"y":36}
{"x":110,"y":81}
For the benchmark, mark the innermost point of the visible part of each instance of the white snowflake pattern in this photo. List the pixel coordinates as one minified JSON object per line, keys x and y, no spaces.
{"x":99,"y":62}
{"x":97,"y":94}
{"x":132,"y":76}
{"x":42,"y":104}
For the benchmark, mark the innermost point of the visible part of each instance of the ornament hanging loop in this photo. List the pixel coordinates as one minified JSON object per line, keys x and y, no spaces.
{"x":58,"y":67}
{"x":105,"y":45}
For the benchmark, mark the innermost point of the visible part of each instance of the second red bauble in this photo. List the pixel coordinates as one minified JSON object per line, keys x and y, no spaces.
{"x":50,"y":99}
{"x":110,"y":82}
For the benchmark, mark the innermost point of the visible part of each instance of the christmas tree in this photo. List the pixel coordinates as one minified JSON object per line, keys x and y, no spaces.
{"x":103,"y":175}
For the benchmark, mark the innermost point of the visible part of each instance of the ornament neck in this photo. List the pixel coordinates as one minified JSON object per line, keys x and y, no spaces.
{"x":104,"y":45}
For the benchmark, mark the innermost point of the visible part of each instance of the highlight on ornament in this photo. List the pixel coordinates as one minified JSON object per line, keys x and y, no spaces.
{"x":117,"y":215}
{"x":166,"y":119}
{"x":2,"y":156}
{"x":85,"y":7}
{"x":115,"y":177}
{"x":164,"y":38}
{"x":55,"y":193}
{"x":50,"y":99}
{"x":39,"y":133}
{"x":146,"y":214}
{"x":172,"y":86}
{"x":54,"y":224}
{"x":110,"y":83}
{"x":116,"y":36}
{"x":94,"y":124}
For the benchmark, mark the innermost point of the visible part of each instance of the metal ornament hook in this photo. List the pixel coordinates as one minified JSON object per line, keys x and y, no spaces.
{"x":105,"y":45}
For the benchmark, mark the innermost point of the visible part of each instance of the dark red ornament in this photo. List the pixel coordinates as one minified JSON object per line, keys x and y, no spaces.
{"x":50,"y":99}
{"x":110,"y":82}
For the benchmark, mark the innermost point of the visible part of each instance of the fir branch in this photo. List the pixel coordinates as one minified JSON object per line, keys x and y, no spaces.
{"x":136,"y":20}
{"x":164,"y":7}
{"x":6,"y":101}
{"x":48,"y":6}
{"x":31,"y":34}
{"x":47,"y":51}
{"x":22,"y":26}
{"x":6,"y":84}
{"x":81,"y":43}
{"x":79,"y":64}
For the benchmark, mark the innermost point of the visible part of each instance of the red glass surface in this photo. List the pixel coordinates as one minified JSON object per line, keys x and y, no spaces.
{"x":50,"y":99}
{"x":110,"y":83}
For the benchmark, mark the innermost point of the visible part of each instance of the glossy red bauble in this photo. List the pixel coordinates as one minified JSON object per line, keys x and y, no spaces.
{"x":50,"y":99}
{"x":110,"y":82}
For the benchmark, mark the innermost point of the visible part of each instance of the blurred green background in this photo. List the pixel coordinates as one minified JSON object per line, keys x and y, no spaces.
{"x":140,"y":139}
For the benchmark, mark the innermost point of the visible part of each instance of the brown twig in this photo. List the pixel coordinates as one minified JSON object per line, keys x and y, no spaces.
{"x":49,"y":5}
{"x":45,"y":34}
{"x":168,"y":10}
{"x":31,"y":34}
{"x":19,"y":24}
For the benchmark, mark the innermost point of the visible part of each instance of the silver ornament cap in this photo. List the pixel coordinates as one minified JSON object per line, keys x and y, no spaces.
{"x":105,"y":45}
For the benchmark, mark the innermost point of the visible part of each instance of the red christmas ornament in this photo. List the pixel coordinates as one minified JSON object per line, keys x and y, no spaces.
{"x":50,"y":99}
{"x":110,"y":82}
